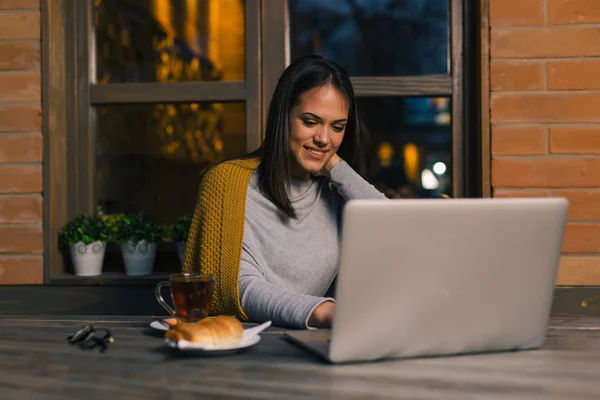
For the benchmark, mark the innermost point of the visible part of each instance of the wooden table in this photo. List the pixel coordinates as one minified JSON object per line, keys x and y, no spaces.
{"x":36,"y":362}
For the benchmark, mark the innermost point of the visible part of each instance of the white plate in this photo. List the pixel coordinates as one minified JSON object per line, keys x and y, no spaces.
{"x":184,"y":345}
{"x":250,"y":338}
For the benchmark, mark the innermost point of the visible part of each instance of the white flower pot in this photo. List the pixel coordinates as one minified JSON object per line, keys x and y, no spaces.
{"x":138,"y":257}
{"x":180,"y":250}
{"x":88,"y":258}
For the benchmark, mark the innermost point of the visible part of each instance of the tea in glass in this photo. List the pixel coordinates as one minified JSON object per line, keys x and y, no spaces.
{"x":191,"y":295}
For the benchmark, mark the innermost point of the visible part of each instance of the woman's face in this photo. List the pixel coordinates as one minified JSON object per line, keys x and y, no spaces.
{"x":317,"y":126}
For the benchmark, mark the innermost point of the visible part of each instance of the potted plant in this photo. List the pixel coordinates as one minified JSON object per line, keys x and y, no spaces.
{"x":178,"y":232}
{"x":86,"y":236}
{"x":137,"y":234}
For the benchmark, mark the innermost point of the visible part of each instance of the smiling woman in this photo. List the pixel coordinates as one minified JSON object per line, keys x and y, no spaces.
{"x":282,"y":214}
{"x":317,"y":126}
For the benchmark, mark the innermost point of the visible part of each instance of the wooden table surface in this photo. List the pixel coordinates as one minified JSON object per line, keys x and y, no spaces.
{"x":37,"y":362}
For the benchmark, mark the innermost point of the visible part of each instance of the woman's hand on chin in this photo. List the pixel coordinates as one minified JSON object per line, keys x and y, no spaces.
{"x":328,"y":166}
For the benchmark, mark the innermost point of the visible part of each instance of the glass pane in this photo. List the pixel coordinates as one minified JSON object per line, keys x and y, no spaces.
{"x":410,"y":152}
{"x":149,"y":156}
{"x":373,"y":37}
{"x":169,"y":40}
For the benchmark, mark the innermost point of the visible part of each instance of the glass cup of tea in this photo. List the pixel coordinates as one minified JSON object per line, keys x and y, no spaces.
{"x":191,"y":295}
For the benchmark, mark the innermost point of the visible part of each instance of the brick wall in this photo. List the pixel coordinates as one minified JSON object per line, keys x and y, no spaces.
{"x":21,"y":243}
{"x":545,"y":116}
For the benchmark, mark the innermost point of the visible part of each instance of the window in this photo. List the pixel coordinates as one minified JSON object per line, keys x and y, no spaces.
{"x":169,"y":40}
{"x":350,"y":32}
{"x":142,"y":94}
{"x":156,"y":90}
{"x":411,"y":145}
{"x":411,"y":91}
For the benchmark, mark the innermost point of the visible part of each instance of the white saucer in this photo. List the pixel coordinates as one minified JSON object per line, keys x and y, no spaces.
{"x":162,"y":327}
{"x":184,"y":345}
{"x":250,"y":338}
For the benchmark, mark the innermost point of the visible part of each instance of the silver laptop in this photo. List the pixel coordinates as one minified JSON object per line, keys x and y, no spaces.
{"x":441,"y":277}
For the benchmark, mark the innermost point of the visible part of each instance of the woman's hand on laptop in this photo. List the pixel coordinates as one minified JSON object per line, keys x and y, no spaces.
{"x":322,"y":315}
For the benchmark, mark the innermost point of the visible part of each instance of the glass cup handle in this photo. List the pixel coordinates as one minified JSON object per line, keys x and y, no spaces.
{"x":160,"y":300}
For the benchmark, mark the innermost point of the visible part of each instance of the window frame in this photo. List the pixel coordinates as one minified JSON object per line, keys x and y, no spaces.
{"x":72,"y":94}
{"x":463,"y":92}
{"x":69,"y":95}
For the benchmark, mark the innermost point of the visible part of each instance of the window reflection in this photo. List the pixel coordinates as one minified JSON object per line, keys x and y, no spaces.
{"x":410,"y":151}
{"x":148,"y":159}
{"x":373,"y":37}
{"x":169,"y":40}
{"x":148,"y":156}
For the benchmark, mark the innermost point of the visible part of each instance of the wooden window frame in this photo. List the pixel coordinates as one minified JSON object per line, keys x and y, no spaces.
{"x":460,"y":84}
{"x":71,"y":96}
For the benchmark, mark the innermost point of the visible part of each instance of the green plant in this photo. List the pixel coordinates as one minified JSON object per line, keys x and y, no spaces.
{"x":111,"y":221}
{"x":86,"y":229}
{"x":134,"y":228}
{"x":179,"y":230}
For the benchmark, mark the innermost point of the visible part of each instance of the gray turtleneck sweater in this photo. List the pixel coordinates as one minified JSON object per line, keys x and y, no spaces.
{"x":288,"y":265}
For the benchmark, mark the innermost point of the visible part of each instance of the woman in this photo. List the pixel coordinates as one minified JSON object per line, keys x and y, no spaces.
{"x":267,"y":224}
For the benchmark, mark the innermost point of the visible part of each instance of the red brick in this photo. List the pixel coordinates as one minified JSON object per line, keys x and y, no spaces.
{"x":545,"y":42}
{"x":16,"y":209}
{"x":516,"y":12}
{"x":573,"y":11}
{"x":582,"y":238}
{"x":575,"y":140}
{"x":23,"y":86}
{"x":25,"y":118}
{"x":21,"y":270}
{"x":20,"y":56}
{"x":16,"y":26}
{"x":510,"y":140}
{"x":583,"y":204}
{"x":21,"y":239}
{"x":517,"y":75}
{"x":20,"y":178}
{"x":574,"y":74}
{"x":545,"y":107}
{"x":511,"y":193}
{"x":579,"y":271}
{"x":544,"y":172}
{"x":20,"y":148}
{"x":19,"y":4}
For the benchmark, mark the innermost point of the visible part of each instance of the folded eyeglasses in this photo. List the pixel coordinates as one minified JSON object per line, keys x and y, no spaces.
{"x":89,"y":337}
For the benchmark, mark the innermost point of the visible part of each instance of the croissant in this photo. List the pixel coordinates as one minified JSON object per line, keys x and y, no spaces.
{"x":216,"y":331}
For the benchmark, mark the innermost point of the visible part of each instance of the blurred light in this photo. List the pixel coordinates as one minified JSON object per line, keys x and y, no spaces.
{"x":443,"y":118}
{"x":411,"y":161}
{"x":385,"y":152}
{"x":163,"y":13}
{"x":439,"y":168}
{"x":191,"y":29}
{"x":441,"y":103}
{"x":428,"y":180}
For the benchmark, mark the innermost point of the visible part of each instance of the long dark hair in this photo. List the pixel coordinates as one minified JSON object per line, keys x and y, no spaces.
{"x":300,"y":76}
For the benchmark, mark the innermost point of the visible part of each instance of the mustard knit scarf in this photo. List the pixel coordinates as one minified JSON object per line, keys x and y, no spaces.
{"x":214,"y":244}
